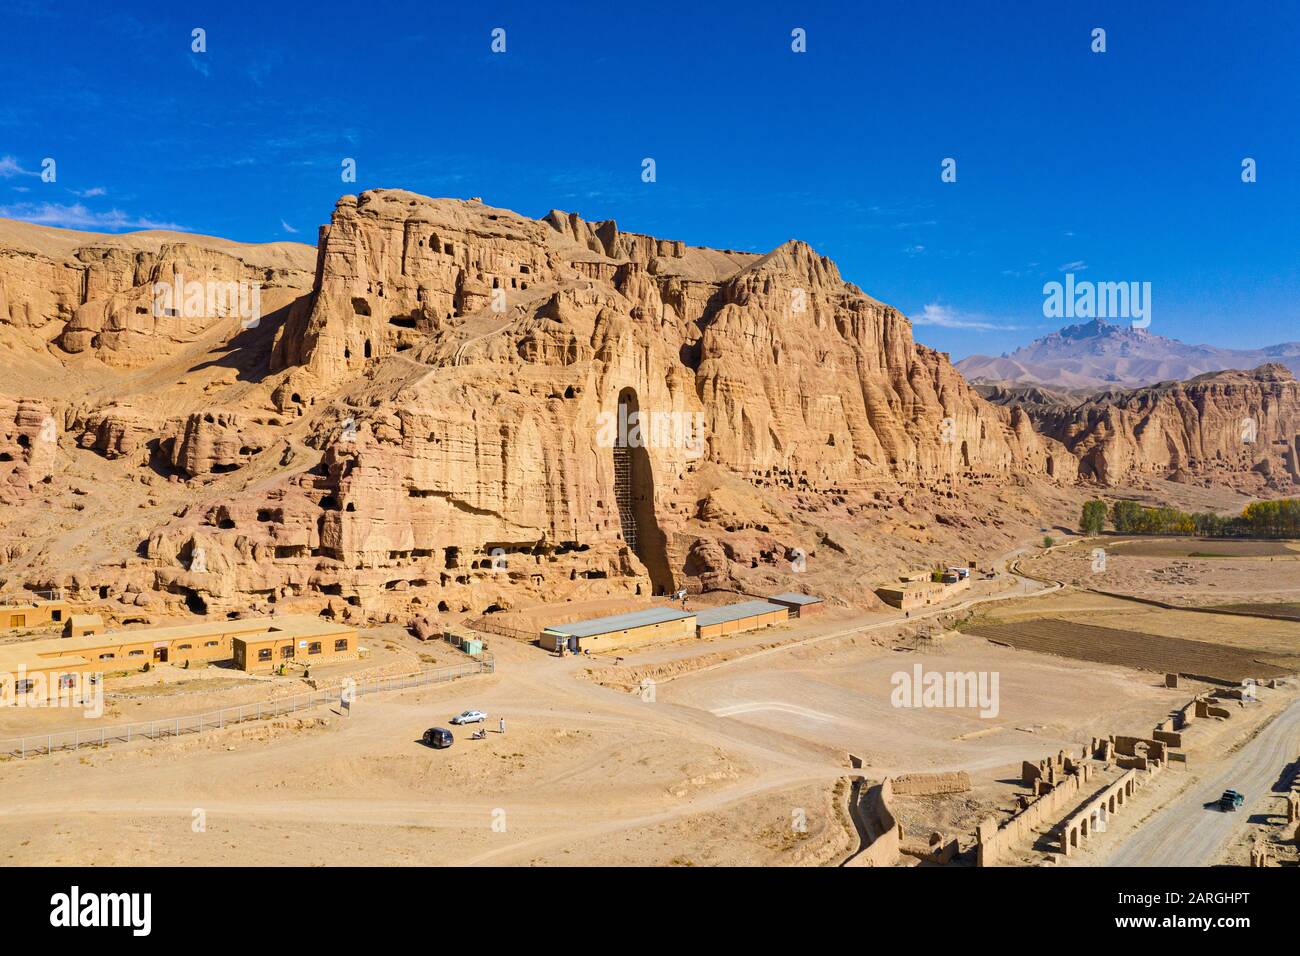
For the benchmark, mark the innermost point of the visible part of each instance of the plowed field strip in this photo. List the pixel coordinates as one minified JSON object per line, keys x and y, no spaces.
{"x":1283,"y":612}
{"x":1152,"y":652}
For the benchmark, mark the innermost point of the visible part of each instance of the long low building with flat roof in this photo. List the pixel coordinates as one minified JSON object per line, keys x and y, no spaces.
{"x":736,"y":618}
{"x":620,"y":630}
{"x":57,"y":660}
{"x":668,"y":623}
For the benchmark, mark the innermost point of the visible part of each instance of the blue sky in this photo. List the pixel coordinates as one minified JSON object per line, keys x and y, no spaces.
{"x":1118,"y":166}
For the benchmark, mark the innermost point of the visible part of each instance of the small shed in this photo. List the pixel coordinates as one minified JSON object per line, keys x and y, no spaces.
{"x":83,"y":625}
{"x":800,"y":605}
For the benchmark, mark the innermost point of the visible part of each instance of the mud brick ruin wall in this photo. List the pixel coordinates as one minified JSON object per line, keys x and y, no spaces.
{"x":938,"y":850}
{"x":1088,"y":819}
{"x":1057,"y":782}
{"x":929,"y":784}
{"x":995,"y":839}
{"x":1206,"y":709}
{"x":877,"y":813}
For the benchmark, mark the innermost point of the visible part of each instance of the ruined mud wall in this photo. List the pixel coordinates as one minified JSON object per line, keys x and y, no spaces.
{"x":876,"y":810}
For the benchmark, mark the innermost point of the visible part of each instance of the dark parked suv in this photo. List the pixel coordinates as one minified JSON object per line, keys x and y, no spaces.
{"x":438,"y":738}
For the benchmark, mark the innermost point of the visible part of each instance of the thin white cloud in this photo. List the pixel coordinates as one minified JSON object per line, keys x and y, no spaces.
{"x":77,"y":216}
{"x":1077,"y":266}
{"x":286,"y":227}
{"x":90,"y":193}
{"x":944,"y":317}
{"x":10,"y":167}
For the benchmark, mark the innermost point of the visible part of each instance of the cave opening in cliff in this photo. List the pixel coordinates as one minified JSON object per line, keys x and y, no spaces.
{"x":634,"y":492}
{"x":194,"y":602}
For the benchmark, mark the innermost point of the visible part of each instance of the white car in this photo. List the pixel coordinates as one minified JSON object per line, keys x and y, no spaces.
{"x":470,"y":717}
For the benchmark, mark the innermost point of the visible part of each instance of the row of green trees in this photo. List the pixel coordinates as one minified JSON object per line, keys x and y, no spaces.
{"x":1263,"y":519}
{"x":1276,"y":519}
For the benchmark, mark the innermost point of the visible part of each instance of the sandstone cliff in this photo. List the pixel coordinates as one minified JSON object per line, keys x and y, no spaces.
{"x":435,"y":426}
{"x":1235,"y":428}
{"x":96,"y":294}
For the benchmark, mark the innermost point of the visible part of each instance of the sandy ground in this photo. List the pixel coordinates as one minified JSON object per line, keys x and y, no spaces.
{"x":732,"y":752}
{"x":585,"y":774}
{"x":1163,"y":569}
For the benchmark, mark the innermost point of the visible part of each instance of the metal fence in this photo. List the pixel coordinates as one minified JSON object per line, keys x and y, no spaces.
{"x":34,"y":745}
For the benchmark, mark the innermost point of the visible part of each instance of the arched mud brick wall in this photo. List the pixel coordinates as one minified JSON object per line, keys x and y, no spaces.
{"x":1093,"y":817}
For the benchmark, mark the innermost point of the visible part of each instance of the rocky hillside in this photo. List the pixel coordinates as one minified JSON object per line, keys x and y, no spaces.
{"x":1101,"y":355}
{"x":426,"y":420}
{"x":1239,"y":429}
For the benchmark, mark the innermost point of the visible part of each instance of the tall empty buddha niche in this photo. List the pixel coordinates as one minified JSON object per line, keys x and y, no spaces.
{"x":634,"y":492}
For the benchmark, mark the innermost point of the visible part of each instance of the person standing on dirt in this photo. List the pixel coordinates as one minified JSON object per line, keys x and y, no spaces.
{"x":503,"y":725}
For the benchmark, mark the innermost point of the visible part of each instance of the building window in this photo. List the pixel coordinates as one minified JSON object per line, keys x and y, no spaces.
{"x":136,"y":653}
{"x":286,"y":651}
{"x":56,"y":615}
{"x":183,"y":647}
{"x":67,"y":680}
{"x":313,"y":647}
{"x":263,"y":653}
{"x":23,"y":686}
{"x":212,"y":644}
{"x":106,"y":657}
{"x":341,"y":644}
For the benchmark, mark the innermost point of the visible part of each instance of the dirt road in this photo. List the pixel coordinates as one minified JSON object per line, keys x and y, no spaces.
{"x":1188,"y":833}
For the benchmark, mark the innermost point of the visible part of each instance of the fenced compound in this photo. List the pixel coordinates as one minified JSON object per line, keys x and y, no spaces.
{"x":37,"y":744}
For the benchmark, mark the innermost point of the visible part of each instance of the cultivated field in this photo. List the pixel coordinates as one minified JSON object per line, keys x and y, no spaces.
{"x":1126,"y":648}
{"x":1272,"y":640}
{"x":1286,"y":611}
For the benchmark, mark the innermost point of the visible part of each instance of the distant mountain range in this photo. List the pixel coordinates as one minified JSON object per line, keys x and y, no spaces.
{"x":1099,"y":354}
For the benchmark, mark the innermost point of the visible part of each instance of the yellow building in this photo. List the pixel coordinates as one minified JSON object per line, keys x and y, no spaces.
{"x":912,"y":595}
{"x":738,"y":618}
{"x":58,"y":659}
{"x":38,"y":613}
{"x":620,"y":630}
{"x":800,"y":605}
{"x":83,"y":625}
{"x":258,"y":652}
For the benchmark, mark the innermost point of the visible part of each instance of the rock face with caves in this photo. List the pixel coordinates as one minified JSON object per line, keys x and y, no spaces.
{"x":470,"y":410}
{"x":1236,"y":428}
{"x":97,"y":295}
